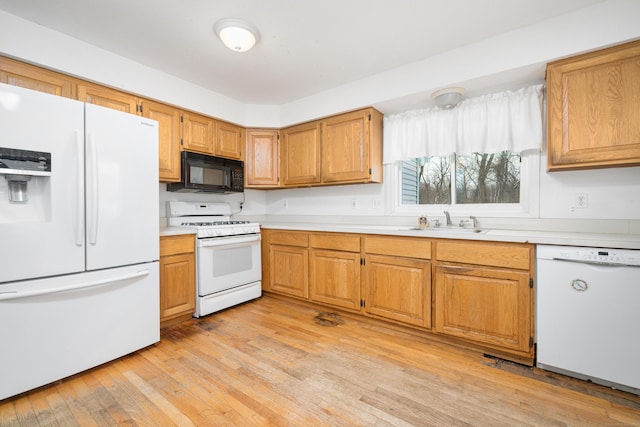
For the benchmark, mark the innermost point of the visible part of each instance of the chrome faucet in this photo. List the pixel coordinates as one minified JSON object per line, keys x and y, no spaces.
{"x":476,"y":224}
{"x":446,"y":214}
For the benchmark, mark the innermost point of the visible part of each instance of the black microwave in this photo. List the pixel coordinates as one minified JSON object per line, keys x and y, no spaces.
{"x":201,"y":173}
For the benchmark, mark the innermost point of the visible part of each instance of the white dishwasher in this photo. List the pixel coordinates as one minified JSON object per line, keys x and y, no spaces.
{"x":588,"y":314}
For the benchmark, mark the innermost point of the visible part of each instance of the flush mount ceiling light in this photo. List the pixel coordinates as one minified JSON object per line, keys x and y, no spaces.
{"x":237,"y":35}
{"x":447,"y":98}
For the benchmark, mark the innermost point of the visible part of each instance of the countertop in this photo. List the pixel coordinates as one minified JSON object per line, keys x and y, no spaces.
{"x":174,"y":231}
{"x":621,"y":241}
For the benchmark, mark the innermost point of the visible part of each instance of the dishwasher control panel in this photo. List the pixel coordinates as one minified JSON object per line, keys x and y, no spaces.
{"x":590,"y":255}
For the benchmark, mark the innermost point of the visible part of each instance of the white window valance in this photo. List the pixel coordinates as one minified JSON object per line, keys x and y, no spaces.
{"x":510,"y":120}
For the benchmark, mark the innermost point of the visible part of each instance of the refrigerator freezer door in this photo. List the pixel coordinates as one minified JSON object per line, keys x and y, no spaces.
{"x":122,"y":188}
{"x":56,"y":327}
{"x":43,"y":236}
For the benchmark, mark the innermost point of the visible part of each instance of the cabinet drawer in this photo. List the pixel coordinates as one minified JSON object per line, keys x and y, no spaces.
{"x":171,"y":245}
{"x":337,"y":242}
{"x":488,"y":254}
{"x":290,"y":238}
{"x":408,"y":247}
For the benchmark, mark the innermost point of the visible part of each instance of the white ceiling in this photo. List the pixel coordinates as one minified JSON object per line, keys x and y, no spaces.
{"x":305,"y":46}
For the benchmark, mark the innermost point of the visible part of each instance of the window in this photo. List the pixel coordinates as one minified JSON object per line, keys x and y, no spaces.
{"x":479,"y":178}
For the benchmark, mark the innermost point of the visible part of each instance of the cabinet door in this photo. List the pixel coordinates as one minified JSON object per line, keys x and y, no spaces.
{"x":262,"y":158}
{"x":105,"y":97}
{"x":35,"y":78}
{"x":289,"y":270}
{"x":230,"y":141}
{"x":345,"y":147}
{"x":168,"y":119}
{"x":490,"y":306}
{"x":593,"y":109}
{"x":399,"y":289}
{"x":300,"y":154}
{"x":335,"y":278}
{"x":177,"y":286}
{"x":198,"y":133}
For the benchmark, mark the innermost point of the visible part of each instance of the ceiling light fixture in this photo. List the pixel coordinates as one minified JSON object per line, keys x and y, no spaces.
{"x":448,"y":98}
{"x":237,"y":35}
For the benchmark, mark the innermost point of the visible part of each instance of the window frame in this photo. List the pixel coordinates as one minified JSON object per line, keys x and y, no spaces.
{"x":527,"y":208}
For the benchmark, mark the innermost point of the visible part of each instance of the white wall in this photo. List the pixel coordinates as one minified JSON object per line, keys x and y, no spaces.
{"x":497,"y":63}
{"x":253,"y":202}
{"x":611,"y":194}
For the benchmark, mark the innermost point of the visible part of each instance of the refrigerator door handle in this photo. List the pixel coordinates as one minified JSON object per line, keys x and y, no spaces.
{"x":79,"y":231}
{"x":13,"y":295}
{"x":92,"y":193}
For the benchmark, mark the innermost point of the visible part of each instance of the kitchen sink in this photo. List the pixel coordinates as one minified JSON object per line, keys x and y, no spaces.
{"x":448,"y":230}
{"x":452,"y":230}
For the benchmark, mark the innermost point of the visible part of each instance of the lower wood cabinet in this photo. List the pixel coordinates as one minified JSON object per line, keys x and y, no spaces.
{"x":397,"y":282}
{"x":484,"y":293}
{"x":335,"y":270}
{"x":489,"y":306}
{"x":476,"y":291}
{"x":288,"y":263}
{"x":177,"y":278}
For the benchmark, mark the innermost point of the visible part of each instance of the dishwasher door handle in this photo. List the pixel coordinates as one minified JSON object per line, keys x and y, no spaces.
{"x":595,"y":263}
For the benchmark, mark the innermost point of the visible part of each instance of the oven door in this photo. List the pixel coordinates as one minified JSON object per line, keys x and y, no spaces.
{"x":227,"y":262}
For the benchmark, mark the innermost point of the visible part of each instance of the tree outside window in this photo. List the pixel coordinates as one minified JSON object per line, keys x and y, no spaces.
{"x":478,"y":178}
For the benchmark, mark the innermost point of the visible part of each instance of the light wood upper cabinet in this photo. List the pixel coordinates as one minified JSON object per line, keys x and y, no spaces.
{"x":593,"y":109}
{"x":300,"y":154}
{"x":105,"y":97}
{"x":229,"y":141}
{"x":352,"y":147}
{"x":28,"y":76}
{"x":335,"y":269}
{"x":177,"y":278}
{"x":198,"y":133}
{"x":341,"y":149}
{"x":168,"y":119}
{"x":262,"y":164}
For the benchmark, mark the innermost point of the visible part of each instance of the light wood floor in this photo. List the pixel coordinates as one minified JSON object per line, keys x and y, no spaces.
{"x":271,"y":362}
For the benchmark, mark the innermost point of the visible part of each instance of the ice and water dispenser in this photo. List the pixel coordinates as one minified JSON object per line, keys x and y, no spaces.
{"x":19,"y":167}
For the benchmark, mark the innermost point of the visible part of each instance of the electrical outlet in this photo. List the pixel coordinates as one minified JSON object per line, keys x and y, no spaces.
{"x":580,"y":201}
{"x":377,"y":203}
{"x":285,"y":203}
{"x":354,"y":203}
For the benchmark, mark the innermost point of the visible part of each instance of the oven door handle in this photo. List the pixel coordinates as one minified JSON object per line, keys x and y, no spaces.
{"x":228,"y":242}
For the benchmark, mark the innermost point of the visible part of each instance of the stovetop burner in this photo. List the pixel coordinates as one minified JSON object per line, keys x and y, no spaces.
{"x":210,"y":220}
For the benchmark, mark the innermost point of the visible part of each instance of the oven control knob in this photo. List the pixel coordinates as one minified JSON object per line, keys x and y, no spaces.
{"x":218,"y":232}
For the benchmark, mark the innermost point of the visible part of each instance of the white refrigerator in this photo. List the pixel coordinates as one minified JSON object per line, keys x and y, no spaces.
{"x":79,"y":246}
